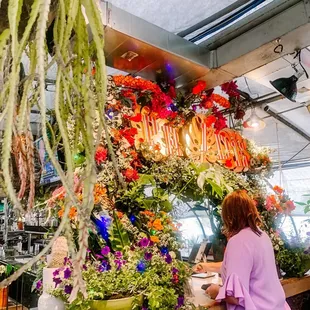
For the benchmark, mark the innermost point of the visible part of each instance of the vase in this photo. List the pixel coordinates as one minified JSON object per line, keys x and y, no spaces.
{"x":115,"y":304}
{"x":47,"y":301}
{"x":3,"y":297}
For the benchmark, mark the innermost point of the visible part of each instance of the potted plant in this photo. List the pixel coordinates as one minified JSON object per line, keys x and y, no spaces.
{"x":118,"y":280}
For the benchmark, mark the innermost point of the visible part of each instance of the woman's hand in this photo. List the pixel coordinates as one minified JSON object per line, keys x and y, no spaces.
{"x":213,"y":290}
{"x":200,"y":268}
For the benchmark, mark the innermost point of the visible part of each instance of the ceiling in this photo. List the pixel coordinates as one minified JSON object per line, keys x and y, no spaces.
{"x":175,"y":16}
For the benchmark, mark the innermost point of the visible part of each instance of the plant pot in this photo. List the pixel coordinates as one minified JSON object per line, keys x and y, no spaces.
{"x":115,"y":304}
{"x":47,"y":301}
{"x":3,"y":297}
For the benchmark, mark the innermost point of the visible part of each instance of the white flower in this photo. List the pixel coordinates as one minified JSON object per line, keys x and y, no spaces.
{"x":2,"y":269}
{"x":281,"y":242}
{"x":276,"y":248}
{"x":172,"y":254}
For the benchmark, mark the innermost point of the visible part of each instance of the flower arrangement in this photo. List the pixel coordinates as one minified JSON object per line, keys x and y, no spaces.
{"x":140,"y":270}
{"x":279,"y":203}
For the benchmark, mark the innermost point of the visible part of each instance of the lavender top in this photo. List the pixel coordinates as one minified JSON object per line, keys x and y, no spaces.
{"x":249,"y":273}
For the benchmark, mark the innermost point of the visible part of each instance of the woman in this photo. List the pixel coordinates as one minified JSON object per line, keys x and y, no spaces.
{"x":248,"y":271}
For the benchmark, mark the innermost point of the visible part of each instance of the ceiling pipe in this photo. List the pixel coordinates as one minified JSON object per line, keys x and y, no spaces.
{"x":225,"y":11}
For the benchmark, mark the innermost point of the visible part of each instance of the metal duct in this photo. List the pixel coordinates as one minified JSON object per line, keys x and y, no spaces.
{"x":138,"y":47}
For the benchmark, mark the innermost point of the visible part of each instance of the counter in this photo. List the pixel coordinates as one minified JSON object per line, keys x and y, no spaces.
{"x":292,"y":288}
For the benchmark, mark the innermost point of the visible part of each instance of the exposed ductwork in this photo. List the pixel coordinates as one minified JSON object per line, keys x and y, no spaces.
{"x":138,"y":47}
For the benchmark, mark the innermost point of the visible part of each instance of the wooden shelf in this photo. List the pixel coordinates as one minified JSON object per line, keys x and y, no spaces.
{"x":295,"y":286}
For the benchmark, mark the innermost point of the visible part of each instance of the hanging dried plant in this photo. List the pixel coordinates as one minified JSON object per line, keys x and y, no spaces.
{"x":78,"y":94}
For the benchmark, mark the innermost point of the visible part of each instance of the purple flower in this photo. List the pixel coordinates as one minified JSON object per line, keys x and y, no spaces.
{"x":56,"y":272}
{"x":180,"y":302}
{"x":175,"y":270}
{"x":164,"y":250}
{"x":67,"y":273}
{"x":105,"y":251}
{"x":119,"y":264}
{"x":148,"y":256}
{"x":68,"y":289}
{"x":168,"y":259}
{"x":144,"y":242}
{"x":84,"y":267}
{"x":173,"y":108}
{"x":39,"y":285}
{"x":105,"y":266}
{"x":118,"y":254}
{"x":57,"y":281}
{"x":308,"y":233}
{"x":141,"y":266}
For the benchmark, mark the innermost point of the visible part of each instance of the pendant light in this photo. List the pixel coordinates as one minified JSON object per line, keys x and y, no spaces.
{"x":288,"y":86}
{"x":254,"y":122}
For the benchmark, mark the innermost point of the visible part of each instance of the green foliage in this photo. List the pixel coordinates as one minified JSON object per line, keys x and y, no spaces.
{"x":293,"y":261}
{"x":306,"y":205}
{"x":118,"y":235}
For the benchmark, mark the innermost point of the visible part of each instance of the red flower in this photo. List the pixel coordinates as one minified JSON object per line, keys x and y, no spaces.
{"x":136,"y":118}
{"x":230,"y":88}
{"x":206,"y":103}
{"x":290,"y":206}
{"x":130,"y":175}
{"x":228,"y":163}
{"x":101,"y":155}
{"x":199,"y":87}
{"x":171,"y":92}
{"x":128,"y":134}
{"x":220,"y":124}
{"x":210,"y":120}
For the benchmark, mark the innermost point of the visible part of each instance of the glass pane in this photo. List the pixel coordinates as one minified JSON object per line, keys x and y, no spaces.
{"x":172,"y":15}
{"x":192,"y":232}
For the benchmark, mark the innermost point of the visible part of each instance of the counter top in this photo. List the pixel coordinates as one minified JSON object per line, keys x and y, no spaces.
{"x":292,"y":287}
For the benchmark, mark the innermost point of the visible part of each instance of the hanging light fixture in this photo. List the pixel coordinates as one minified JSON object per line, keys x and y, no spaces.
{"x":288,"y":86}
{"x":254,"y":122}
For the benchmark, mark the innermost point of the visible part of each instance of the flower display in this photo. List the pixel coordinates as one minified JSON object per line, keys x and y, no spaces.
{"x":279,"y":202}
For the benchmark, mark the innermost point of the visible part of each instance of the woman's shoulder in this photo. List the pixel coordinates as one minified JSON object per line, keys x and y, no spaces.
{"x":247,"y":235}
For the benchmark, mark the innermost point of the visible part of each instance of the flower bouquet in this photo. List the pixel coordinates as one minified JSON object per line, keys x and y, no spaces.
{"x":121,"y":279}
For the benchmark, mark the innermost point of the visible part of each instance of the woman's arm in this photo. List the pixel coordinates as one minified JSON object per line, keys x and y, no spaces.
{"x":208,"y":267}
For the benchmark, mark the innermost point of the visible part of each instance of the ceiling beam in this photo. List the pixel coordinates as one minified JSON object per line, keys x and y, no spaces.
{"x":288,"y":124}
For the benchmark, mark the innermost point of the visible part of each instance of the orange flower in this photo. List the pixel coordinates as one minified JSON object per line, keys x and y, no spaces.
{"x":99,"y":192}
{"x":157,"y":147}
{"x":278,"y":189}
{"x":149,"y":224}
{"x":158,"y":225}
{"x":61,"y":212}
{"x":72,"y":213}
{"x":155,"y":239}
{"x":223,"y":102}
{"x":148,"y":213}
{"x":174,"y":227}
{"x":120,"y":214}
{"x":210,"y":120}
{"x":290,"y":206}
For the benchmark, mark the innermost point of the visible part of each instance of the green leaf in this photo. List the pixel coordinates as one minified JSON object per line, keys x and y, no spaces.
{"x":146,"y":179}
{"x":300,"y":203}
{"x":216,"y":188}
{"x":118,"y":235}
{"x":307,"y":209}
{"x":201,"y":180}
{"x":166,"y":206}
